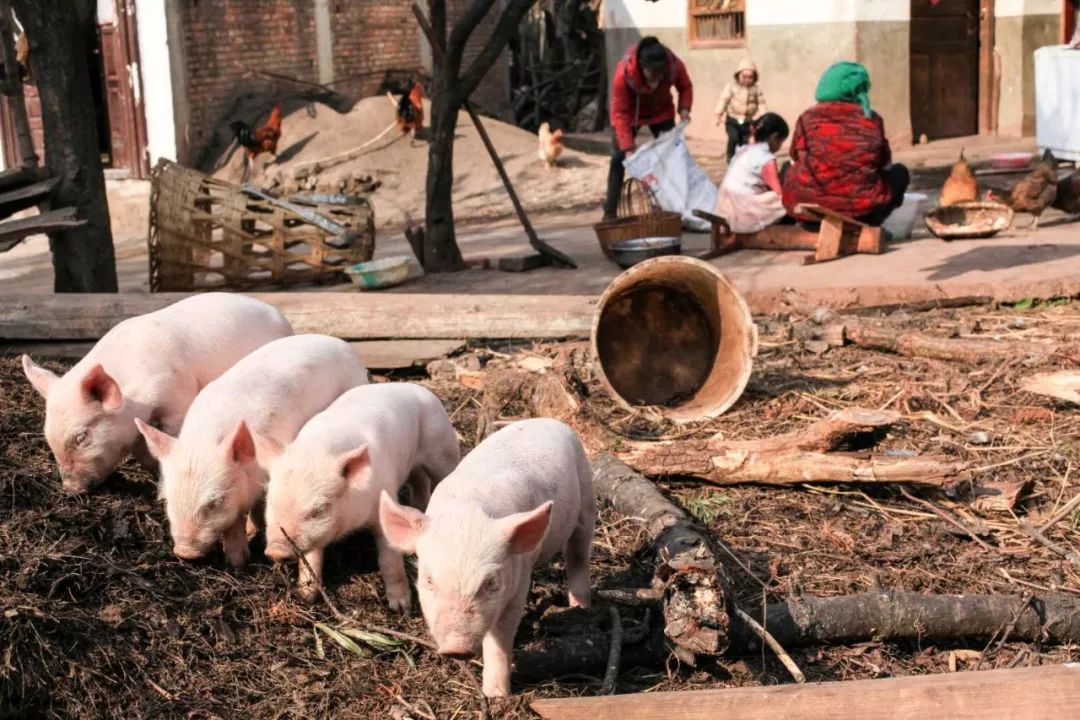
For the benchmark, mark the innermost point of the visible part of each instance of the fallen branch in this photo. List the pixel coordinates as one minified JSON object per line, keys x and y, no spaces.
{"x":1063,"y":385}
{"x":611,"y":675}
{"x":967,"y":350}
{"x":1036,"y":535}
{"x":808,"y":456}
{"x":896,"y":615}
{"x":695,"y":596}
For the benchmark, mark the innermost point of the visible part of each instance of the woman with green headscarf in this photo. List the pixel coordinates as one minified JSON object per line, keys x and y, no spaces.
{"x":840,"y":157}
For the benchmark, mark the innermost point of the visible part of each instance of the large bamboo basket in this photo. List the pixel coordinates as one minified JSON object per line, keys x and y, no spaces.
{"x":208,"y":234}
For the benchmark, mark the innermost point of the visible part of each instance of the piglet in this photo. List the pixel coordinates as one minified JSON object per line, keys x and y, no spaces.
{"x":147,"y":368}
{"x":210,"y":477}
{"x":520,"y":497}
{"x":326,"y":483}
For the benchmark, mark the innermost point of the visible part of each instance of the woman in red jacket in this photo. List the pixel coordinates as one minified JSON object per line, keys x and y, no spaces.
{"x":840,"y":157}
{"x":641,"y":95}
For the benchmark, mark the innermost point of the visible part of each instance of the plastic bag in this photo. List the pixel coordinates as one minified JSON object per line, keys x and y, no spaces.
{"x":677,"y":182}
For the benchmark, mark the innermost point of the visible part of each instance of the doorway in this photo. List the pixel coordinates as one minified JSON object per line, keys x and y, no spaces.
{"x":1070,"y":19}
{"x":945,"y":63}
{"x":113,"y":62}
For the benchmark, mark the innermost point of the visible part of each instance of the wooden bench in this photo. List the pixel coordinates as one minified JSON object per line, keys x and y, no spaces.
{"x":838,"y":236}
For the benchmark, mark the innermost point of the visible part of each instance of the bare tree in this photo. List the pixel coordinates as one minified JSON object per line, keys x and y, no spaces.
{"x":451,"y":88}
{"x":60,"y":33}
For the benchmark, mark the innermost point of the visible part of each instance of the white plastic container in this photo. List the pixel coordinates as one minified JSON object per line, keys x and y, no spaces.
{"x":902,"y":219}
{"x":1057,"y":101}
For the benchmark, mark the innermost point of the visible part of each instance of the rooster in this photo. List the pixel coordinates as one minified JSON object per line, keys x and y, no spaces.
{"x":410,"y":110}
{"x":961,"y":185}
{"x":551,"y":146}
{"x":1034,"y":193}
{"x":265,"y":139}
{"x":1068,"y":194}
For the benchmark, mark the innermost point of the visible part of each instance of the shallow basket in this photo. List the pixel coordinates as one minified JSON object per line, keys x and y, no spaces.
{"x":638,"y":218}
{"x":968,"y":220}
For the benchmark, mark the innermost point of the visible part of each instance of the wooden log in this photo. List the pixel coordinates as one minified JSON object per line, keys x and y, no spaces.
{"x":807,"y":456}
{"x":897,"y":615}
{"x":13,"y":232}
{"x":694,"y":585}
{"x":1020,"y":694}
{"x":352,"y":316}
{"x":967,"y":350}
{"x":1064,"y":385}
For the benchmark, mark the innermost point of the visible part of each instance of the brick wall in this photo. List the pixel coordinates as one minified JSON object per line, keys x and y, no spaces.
{"x":225,"y":40}
{"x":371,"y":36}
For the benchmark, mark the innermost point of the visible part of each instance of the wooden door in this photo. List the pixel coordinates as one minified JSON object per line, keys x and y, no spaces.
{"x":1071,"y":13}
{"x":37,"y":130}
{"x":944,"y":68}
{"x":123,"y":92}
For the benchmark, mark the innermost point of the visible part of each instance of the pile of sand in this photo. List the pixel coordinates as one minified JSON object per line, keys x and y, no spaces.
{"x":400,"y":164}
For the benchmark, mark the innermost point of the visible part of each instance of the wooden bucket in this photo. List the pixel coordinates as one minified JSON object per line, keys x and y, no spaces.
{"x":674,"y":334}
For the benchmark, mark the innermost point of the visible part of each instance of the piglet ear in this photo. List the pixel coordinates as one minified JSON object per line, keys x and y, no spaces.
{"x":267,"y":449}
{"x":158,"y":443}
{"x":40,"y":378}
{"x":400,"y":525}
{"x":240,"y":447}
{"x":356,"y":466}
{"x":99,"y":386}
{"x":524,"y":531}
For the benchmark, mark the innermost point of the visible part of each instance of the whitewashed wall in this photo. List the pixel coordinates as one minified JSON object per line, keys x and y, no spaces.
{"x":156,"y":80}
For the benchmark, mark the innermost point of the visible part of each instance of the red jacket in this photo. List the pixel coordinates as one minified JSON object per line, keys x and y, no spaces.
{"x":837,"y":157}
{"x":634,"y":103}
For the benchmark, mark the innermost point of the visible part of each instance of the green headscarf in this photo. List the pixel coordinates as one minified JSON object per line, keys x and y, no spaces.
{"x":845,"y":82}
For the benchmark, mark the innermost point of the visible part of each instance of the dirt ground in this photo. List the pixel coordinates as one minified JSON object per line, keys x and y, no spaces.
{"x":100,"y":620}
{"x":400,"y":164}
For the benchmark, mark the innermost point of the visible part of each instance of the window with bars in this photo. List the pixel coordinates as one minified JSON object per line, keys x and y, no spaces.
{"x":717,"y":23}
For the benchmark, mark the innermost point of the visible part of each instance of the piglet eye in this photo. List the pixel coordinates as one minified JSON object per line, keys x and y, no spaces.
{"x":490,"y":586}
{"x":81,"y":438}
{"x":211,"y":506}
{"x":318,"y":511}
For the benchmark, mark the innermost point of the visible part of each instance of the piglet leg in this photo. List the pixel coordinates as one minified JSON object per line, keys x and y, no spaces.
{"x":311,"y":580}
{"x":577,"y":553}
{"x":499,"y":647}
{"x":392,"y":567}
{"x":234,"y":543}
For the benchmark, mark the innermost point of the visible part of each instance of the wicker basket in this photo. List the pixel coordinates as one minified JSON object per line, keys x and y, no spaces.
{"x":207,"y":234}
{"x":639,"y":217}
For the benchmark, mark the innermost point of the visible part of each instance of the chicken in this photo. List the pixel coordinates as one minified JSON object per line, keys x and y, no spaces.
{"x":410,"y":110}
{"x":961,"y":185}
{"x":265,"y":139}
{"x":1036,"y":192}
{"x":22,"y":59}
{"x":551,"y":146}
{"x":1068,"y":194}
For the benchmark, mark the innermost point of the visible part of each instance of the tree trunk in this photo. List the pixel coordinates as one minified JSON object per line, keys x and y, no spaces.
{"x":441,"y":253}
{"x":59,"y":32}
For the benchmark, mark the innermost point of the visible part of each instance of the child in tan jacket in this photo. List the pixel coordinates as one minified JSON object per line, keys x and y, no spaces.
{"x":741,"y":102}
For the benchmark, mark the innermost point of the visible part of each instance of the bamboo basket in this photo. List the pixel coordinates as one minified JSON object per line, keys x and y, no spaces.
{"x":208,"y":234}
{"x":640,"y":216}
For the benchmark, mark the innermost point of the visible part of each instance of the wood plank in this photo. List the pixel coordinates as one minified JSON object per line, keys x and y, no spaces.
{"x":779,"y":237}
{"x":352,"y":316}
{"x":377,"y":354}
{"x":12,"y":232}
{"x":525,"y":263}
{"x":404,"y":354}
{"x":1021,"y":694}
{"x":832,"y":232}
{"x":21,"y":198}
{"x":16,"y":176}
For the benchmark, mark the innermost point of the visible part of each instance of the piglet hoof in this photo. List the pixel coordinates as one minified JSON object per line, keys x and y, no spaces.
{"x":308,"y":592}
{"x":579,"y":601}
{"x":399,"y":602}
{"x":496,"y":689}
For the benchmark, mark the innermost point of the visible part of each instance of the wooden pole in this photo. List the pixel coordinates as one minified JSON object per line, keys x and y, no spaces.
{"x":13,"y":88}
{"x":1021,"y":694}
{"x":534,"y":240}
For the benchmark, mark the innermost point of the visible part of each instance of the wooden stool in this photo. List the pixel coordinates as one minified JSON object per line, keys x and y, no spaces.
{"x":838,"y":236}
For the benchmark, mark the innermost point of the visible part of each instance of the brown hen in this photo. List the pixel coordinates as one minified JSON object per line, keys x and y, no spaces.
{"x":1037,"y":191}
{"x":961,"y":185}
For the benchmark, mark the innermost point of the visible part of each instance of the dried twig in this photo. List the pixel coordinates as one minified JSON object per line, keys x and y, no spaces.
{"x":341,"y":617}
{"x":611,"y":675}
{"x":949,"y":519}
{"x":485,"y":709}
{"x":1049,"y":544}
{"x":1061,"y":514}
{"x":769,"y":640}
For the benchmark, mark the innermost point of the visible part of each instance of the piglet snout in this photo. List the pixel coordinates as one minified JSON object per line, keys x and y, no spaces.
{"x":186,"y":552}
{"x":279,"y":553}
{"x":458,"y":647}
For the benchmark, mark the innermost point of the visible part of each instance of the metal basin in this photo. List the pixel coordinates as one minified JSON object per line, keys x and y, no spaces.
{"x":630,"y":252}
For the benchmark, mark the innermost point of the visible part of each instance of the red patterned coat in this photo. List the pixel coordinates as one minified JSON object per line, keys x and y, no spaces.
{"x":837,"y":157}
